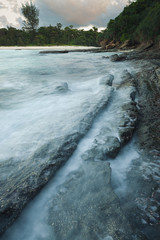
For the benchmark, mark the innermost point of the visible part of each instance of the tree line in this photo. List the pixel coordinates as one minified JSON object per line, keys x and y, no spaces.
{"x":138,"y":22}
{"x":30,"y":34}
{"x":51,"y":35}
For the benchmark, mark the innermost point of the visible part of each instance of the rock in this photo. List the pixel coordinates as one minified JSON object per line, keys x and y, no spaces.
{"x":103,"y":44}
{"x":26,"y":178}
{"x":95,"y":153}
{"x":145,"y":45}
{"x":53,"y":52}
{"x":127,"y":45}
{"x":87,"y":208}
{"x":158,"y":76}
{"x":133,"y":95}
{"x":148,"y":92}
{"x":116,"y":58}
{"x":112,"y":146}
{"x":62,"y":88}
{"x":111,"y":45}
{"x":107,"y":80}
{"x":105,"y":57}
{"x":127,"y":81}
{"x":126,"y":134}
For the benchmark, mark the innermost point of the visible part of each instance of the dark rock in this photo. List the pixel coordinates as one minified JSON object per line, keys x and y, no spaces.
{"x":95,"y":212}
{"x":116,"y":58}
{"x":126,"y":134}
{"x":112,"y":147}
{"x":53,"y":52}
{"x":149,"y":116}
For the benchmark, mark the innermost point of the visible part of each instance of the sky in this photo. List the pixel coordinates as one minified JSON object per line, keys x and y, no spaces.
{"x":79,"y":13}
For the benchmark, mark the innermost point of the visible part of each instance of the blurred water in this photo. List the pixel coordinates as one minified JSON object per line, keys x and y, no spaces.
{"x":33,"y":112}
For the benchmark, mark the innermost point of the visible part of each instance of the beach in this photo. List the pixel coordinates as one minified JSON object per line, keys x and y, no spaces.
{"x":56,"y":48}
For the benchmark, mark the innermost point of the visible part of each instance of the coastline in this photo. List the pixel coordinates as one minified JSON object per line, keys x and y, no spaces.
{"x":142,"y":177}
{"x":55,"y":48}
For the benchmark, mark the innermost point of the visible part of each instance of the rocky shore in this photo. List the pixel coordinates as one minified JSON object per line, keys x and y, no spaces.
{"x":87,"y":204}
{"x":142,"y":203}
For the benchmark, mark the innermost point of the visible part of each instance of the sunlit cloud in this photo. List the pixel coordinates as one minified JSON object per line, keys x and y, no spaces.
{"x":76,"y":12}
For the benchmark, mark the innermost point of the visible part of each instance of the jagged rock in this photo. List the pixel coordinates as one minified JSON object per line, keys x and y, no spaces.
{"x":107,"y":80}
{"x":87,"y":208}
{"x":148,"y":91}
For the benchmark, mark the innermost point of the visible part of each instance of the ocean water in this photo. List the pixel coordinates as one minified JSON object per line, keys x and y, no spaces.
{"x":32,"y":111}
{"x":43,"y":97}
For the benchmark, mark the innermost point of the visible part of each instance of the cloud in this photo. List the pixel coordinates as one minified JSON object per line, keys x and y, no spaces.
{"x":81,"y":12}
{"x":68,"y":12}
{"x":2,"y":5}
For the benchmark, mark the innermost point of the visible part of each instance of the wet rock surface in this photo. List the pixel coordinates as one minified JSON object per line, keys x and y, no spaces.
{"x":26,"y":179}
{"x":86,"y":207}
{"x":141,"y":200}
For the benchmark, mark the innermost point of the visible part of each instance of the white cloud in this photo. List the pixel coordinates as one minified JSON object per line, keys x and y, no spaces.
{"x":76,"y":12}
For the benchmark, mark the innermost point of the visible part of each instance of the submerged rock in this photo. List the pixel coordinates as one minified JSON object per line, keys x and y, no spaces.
{"x":62,"y":88}
{"x":87,"y":208}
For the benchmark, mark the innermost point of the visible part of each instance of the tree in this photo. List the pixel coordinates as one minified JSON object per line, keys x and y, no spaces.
{"x":31,"y":14}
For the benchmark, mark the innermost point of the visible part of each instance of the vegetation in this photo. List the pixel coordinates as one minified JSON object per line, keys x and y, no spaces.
{"x":139,"y":22}
{"x":31,"y":14}
{"x":51,"y":35}
{"x":29,"y":35}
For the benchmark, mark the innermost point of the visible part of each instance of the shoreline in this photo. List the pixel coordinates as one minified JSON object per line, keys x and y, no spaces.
{"x":55,"y":48}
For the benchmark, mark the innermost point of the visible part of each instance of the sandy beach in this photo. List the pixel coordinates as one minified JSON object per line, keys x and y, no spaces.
{"x":56,"y":48}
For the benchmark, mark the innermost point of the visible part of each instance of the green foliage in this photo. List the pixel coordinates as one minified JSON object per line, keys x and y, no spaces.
{"x":51,"y":35}
{"x":31,"y":14}
{"x":149,"y":27}
{"x":139,"y":21}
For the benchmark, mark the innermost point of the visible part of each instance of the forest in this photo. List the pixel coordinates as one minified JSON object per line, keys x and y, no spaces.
{"x":138,"y":22}
{"x":51,"y":35}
